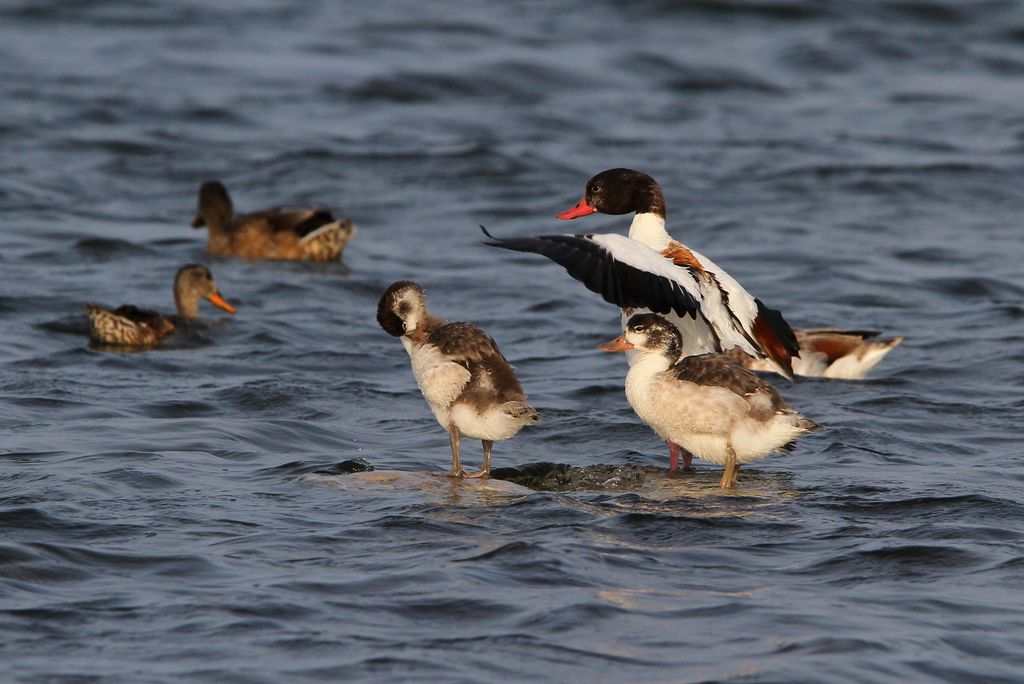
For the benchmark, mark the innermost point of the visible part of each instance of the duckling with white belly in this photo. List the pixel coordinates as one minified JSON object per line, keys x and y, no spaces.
{"x":707,"y":404}
{"x":467,"y":383}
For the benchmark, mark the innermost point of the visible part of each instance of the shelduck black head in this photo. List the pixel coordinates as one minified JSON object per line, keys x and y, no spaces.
{"x":619,"y":191}
{"x":402,"y":308}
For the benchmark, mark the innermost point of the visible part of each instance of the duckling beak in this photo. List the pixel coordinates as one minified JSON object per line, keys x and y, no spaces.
{"x":220,"y":302}
{"x":198,"y":221}
{"x":619,"y":344}
{"x":581,"y":209}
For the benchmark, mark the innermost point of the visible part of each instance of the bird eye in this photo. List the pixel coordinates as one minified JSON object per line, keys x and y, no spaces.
{"x":597,"y":188}
{"x":638,"y":328}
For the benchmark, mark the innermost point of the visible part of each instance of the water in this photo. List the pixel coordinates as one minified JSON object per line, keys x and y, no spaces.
{"x":853,"y":164}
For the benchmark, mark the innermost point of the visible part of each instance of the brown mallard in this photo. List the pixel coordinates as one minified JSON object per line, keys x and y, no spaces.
{"x":131,"y":326}
{"x":308,"y":233}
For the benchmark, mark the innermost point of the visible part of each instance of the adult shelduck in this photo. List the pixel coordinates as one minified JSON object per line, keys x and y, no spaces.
{"x":828,"y":353}
{"x":649,"y":270}
{"x":707,"y":404}
{"x":308,"y":233}
{"x":130,"y":326}
{"x":467,"y":383}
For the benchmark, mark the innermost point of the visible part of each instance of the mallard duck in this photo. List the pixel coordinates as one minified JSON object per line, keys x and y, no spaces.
{"x":306,"y":233}
{"x":131,"y":326}
{"x":470,"y":387}
{"x":707,"y":404}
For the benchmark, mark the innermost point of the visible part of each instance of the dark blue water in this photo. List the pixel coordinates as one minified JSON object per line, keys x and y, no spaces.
{"x":853,"y":164}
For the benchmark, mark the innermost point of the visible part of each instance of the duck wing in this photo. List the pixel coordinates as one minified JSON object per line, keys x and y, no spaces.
{"x":730,"y":306}
{"x":623,"y":271}
{"x":491,"y":375}
{"x":299,"y":220}
{"x":717,"y":370}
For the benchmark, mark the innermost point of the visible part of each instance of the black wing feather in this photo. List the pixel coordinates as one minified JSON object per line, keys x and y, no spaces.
{"x":617,"y":282}
{"x":779,"y":326}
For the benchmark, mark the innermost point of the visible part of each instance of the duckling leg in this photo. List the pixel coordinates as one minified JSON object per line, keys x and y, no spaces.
{"x":486,"y":470}
{"x":732,"y":468}
{"x":453,"y":439}
{"x":674,"y":450}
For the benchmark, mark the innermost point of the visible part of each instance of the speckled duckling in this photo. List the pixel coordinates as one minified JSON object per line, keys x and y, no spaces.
{"x":466,"y":381}
{"x":308,"y":233}
{"x":707,"y":404}
{"x":129,"y":325}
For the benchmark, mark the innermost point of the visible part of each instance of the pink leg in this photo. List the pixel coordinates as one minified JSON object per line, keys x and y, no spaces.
{"x":673,"y":458}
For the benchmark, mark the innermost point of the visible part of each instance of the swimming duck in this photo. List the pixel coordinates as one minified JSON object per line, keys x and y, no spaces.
{"x":835,"y":354}
{"x":306,"y":233}
{"x":470,"y":387}
{"x":131,"y":326}
{"x":707,"y":404}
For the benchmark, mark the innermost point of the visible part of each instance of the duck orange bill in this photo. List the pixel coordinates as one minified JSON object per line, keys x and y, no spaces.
{"x":220,"y":302}
{"x":618,"y":344}
{"x":581,"y":209}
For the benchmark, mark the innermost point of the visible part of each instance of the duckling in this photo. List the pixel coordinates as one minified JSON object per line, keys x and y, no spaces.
{"x":306,"y":233}
{"x":707,"y":404}
{"x":470,"y":387}
{"x":131,"y":326}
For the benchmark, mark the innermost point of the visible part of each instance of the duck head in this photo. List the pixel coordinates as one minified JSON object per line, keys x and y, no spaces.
{"x":214,"y":208}
{"x":650,"y":334}
{"x":192,"y":283}
{"x":402,"y":310}
{"x":619,"y":191}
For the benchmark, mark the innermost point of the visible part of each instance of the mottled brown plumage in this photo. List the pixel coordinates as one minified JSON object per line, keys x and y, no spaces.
{"x":719,"y":370}
{"x":131,"y":326}
{"x":492,"y":379}
{"x":467,"y":382}
{"x":706,"y":404}
{"x":311,"y":234}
